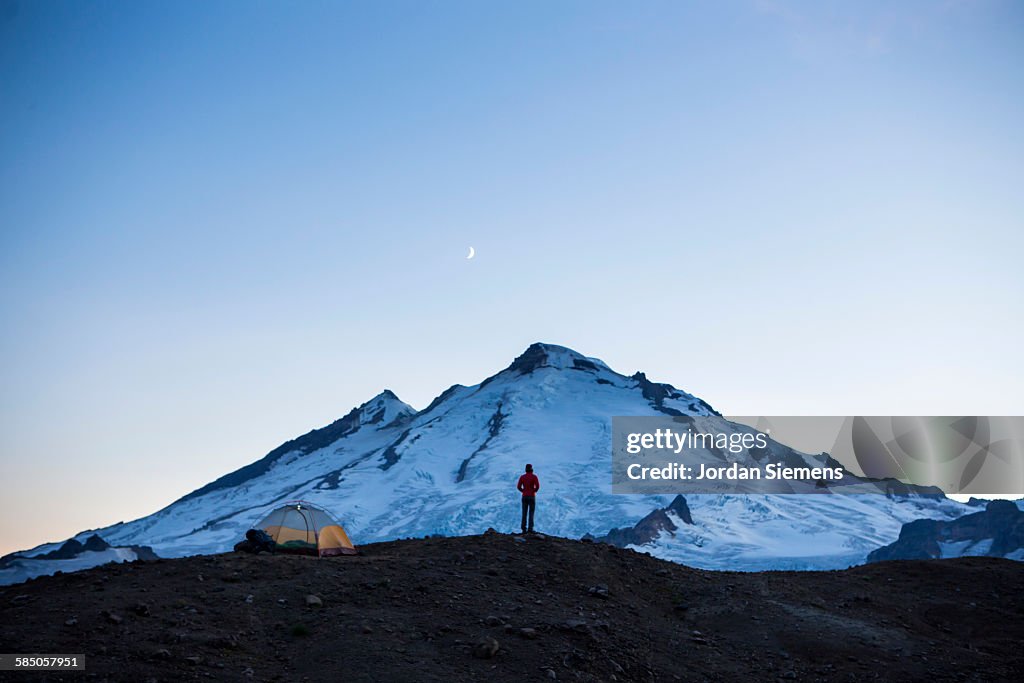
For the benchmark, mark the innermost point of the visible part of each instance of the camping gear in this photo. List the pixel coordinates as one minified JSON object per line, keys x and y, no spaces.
{"x":256,"y":541}
{"x":260,"y":540}
{"x":302,"y":528}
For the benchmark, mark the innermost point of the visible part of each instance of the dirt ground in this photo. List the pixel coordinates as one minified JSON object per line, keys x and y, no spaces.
{"x":508,"y":608}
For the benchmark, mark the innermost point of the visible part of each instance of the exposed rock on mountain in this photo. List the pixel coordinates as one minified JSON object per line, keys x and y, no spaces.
{"x":998,"y":531}
{"x":72,"y":555}
{"x":651,"y":527}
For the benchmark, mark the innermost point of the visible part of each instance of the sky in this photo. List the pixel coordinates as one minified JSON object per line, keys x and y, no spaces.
{"x":223,"y":224}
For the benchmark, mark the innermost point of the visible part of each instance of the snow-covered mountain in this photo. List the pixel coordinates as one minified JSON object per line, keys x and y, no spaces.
{"x":388,"y":471}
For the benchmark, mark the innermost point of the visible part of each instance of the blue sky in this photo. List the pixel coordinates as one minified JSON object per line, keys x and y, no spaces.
{"x":226,"y":223}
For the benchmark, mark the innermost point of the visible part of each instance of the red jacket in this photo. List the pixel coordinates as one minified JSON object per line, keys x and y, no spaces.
{"x":529,"y":484}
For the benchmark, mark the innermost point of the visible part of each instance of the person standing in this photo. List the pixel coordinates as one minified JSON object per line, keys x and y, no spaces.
{"x":528,"y":485}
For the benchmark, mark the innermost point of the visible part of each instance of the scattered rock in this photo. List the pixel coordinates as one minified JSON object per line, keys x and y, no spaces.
{"x":434,"y":606}
{"x":486,"y":648}
{"x":575,"y":659}
{"x":578,"y":625}
{"x":227,"y":642}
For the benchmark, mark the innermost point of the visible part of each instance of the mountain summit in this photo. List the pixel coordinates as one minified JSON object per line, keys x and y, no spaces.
{"x":387,"y":471}
{"x":539,"y":355}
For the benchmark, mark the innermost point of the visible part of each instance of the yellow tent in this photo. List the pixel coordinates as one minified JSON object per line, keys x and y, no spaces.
{"x":302,"y":528}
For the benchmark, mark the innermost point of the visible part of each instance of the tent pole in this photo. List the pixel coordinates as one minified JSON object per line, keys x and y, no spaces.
{"x":316,"y":533}
{"x":298,"y":508}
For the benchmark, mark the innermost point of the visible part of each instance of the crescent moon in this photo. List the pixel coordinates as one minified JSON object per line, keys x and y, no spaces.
{"x":472,"y":253}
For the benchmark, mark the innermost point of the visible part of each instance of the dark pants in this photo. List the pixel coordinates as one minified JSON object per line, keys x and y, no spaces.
{"x":529,"y":505}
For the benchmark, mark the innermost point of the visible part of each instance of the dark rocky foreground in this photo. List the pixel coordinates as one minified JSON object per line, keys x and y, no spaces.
{"x":503,"y":608}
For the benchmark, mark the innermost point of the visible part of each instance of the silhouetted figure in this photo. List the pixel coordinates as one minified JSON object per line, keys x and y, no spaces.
{"x":529,"y":485}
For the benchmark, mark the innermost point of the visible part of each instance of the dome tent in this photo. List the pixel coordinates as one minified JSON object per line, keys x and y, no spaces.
{"x":305,"y":529}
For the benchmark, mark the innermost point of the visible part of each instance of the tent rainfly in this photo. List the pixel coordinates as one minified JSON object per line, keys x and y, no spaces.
{"x":305,"y":529}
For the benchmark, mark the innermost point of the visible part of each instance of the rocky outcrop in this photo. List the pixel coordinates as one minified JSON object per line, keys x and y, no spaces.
{"x":657,"y":392}
{"x":651,"y":526}
{"x":998,"y":531}
{"x":72,"y":548}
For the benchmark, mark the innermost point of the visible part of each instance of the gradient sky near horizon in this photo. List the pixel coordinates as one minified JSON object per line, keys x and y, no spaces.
{"x":223,"y":224}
